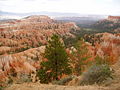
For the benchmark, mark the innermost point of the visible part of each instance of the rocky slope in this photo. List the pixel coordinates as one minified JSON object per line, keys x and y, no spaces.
{"x":24,"y":62}
{"x":32,"y":31}
{"x":114,"y":84}
{"x":114,"y":18}
{"x":104,"y":44}
{"x":21,"y":42}
{"x":109,"y":46}
{"x":109,"y":24}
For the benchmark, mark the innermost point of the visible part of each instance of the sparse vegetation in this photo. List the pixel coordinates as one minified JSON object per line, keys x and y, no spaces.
{"x":23,"y":78}
{"x":79,"y":57}
{"x":96,"y":74}
{"x":101,"y":61}
{"x":63,"y":81}
{"x":1,"y":88}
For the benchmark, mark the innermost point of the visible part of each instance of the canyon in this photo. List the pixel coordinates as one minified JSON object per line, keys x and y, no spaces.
{"x":22,"y":44}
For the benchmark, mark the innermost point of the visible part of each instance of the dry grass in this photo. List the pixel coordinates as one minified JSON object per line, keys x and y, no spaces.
{"x":36,"y":86}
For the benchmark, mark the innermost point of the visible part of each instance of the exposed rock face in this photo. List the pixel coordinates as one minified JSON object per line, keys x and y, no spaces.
{"x":110,"y":46}
{"x":111,"y":24}
{"x":23,"y":62}
{"x":114,"y":18}
{"x":31,"y":32}
{"x":38,"y":18}
{"x":105,"y":45}
{"x":39,"y":28}
{"x":36,"y":22}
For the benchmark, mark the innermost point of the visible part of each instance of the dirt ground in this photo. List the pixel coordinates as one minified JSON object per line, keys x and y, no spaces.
{"x":36,"y":86}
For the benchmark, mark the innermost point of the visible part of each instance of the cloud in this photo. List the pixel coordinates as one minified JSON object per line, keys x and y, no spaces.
{"x":75,"y":6}
{"x":3,"y":0}
{"x":29,"y":0}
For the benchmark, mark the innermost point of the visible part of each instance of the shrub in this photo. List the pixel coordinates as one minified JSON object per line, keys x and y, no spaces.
{"x":1,"y":88}
{"x":24,"y":78}
{"x":101,"y":61}
{"x":96,"y":74}
{"x":80,"y":57}
{"x":3,"y":85}
{"x":10,"y":81}
{"x":64,"y":80}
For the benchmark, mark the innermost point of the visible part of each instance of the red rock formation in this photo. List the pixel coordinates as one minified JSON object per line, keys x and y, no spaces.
{"x":23,"y":62}
{"x":17,"y":36}
{"x":114,"y":18}
{"x":31,"y":32}
{"x":110,"y":47}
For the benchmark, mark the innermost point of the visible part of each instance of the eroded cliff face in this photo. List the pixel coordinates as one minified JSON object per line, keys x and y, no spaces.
{"x":109,"y":25}
{"x":24,"y":62}
{"x":104,"y":45}
{"x":32,"y":31}
{"x":114,"y":18}
{"x":110,"y":46}
{"x":36,"y":22}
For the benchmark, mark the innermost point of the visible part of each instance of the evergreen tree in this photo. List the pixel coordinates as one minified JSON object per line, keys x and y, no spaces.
{"x":57,"y":62}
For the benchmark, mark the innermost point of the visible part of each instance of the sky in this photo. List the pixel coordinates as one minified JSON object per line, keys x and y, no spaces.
{"x":103,"y":7}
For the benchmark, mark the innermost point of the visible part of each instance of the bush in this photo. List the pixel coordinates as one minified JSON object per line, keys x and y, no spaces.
{"x":79,"y":57}
{"x":64,"y":80}
{"x":101,"y":61}
{"x":10,"y":81}
{"x":24,"y":78}
{"x":96,"y":74}
{"x":1,"y":88}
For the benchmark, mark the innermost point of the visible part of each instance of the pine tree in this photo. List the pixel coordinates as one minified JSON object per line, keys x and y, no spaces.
{"x":57,"y":63}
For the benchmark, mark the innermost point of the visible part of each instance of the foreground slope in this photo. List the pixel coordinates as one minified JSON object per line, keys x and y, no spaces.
{"x":35,"y":86}
{"x":114,"y":84}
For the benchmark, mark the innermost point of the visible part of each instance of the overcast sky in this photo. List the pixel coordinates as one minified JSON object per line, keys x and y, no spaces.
{"x":111,"y":7}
